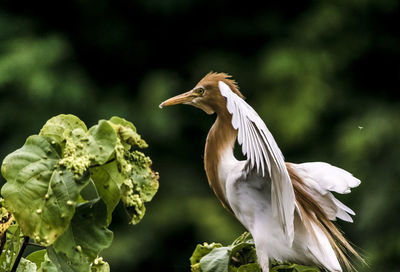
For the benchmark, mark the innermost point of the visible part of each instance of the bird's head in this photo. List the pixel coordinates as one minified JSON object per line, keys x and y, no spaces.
{"x":206,"y":94}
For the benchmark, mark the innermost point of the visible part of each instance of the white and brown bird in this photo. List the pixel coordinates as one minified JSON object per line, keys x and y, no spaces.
{"x":288,"y":208}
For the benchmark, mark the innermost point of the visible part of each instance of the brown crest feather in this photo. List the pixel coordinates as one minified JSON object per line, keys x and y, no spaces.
{"x":213,"y":78}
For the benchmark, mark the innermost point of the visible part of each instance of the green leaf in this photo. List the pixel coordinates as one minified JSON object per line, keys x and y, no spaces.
{"x":37,"y":156}
{"x":195,"y":268}
{"x":108,"y":181}
{"x":68,"y":263}
{"x":47,"y":265}
{"x":11,"y":248}
{"x":84,"y":148}
{"x":89,"y":229}
{"x":278,"y":267}
{"x":251,"y":267}
{"x":75,"y":156}
{"x":121,"y":121}
{"x":60,"y":126}
{"x":99,"y":265}
{"x":216,"y":261}
{"x":240,"y":256}
{"x":243,"y":253}
{"x":86,"y":236}
{"x":245,"y":237}
{"x":26,"y":266}
{"x":37,"y":257}
{"x":38,"y":192}
{"x":101,"y":142}
{"x":202,"y":250}
{"x":302,"y":268}
{"x":143,"y":178}
{"x":45,"y":178}
{"x":130,"y":177}
{"x":140,"y":186}
{"x":127,"y":132}
{"x":140,"y":183}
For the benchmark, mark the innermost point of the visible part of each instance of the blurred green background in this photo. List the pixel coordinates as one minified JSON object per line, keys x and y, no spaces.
{"x":324,"y":75}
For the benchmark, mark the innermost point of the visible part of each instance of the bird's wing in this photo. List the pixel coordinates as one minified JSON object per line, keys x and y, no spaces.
{"x":329,"y":177}
{"x":263,"y":155}
{"x":321,"y":179}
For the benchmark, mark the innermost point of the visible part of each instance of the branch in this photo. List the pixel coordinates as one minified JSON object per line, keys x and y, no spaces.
{"x":35,"y":245}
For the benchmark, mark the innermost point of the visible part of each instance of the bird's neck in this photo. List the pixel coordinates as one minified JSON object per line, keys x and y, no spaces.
{"x":219,"y":146}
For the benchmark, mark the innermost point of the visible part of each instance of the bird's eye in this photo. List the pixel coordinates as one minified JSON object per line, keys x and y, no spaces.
{"x":200,"y":91}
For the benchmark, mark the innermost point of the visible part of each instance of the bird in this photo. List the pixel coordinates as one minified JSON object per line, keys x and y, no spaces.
{"x":287,"y":207}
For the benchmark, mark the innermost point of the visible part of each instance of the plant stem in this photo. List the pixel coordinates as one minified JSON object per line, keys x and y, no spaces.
{"x":35,"y":245}
{"x":19,"y":256}
{"x":3,"y":242}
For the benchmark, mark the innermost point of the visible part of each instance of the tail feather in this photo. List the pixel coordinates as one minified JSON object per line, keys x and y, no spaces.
{"x":314,"y":216}
{"x":323,"y":250}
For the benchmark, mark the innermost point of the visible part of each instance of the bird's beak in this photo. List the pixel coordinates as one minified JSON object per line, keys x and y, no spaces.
{"x":179,"y":99}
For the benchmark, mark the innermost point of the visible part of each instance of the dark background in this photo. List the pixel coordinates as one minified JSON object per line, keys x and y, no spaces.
{"x":324,"y":75}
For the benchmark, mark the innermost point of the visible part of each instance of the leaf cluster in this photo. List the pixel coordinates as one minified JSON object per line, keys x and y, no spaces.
{"x":63,"y":186}
{"x":240,"y":256}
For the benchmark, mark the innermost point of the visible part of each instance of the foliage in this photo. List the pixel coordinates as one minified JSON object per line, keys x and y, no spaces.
{"x":11,"y":244}
{"x":240,"y":256}
{"x":45,"y":192}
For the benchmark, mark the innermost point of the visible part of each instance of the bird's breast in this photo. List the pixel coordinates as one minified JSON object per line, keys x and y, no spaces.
{"x":249,"y":197}
{"x":218,"y":157}
{"x":228,"y":165}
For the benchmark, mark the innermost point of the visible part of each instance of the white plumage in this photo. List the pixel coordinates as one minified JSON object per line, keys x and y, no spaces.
{"x":321,"y":179}
{"x":263,"y":154}
{"x":261,"y":193}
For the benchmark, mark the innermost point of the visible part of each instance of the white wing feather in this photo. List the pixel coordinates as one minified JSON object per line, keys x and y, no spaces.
{"x":329,"y":177}
{"x":321,"y":179}
{"x":263,"y":155}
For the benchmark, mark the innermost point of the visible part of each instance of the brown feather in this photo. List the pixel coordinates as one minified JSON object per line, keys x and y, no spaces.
{"x":211,"y":80}
{"x":221,"y":137}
